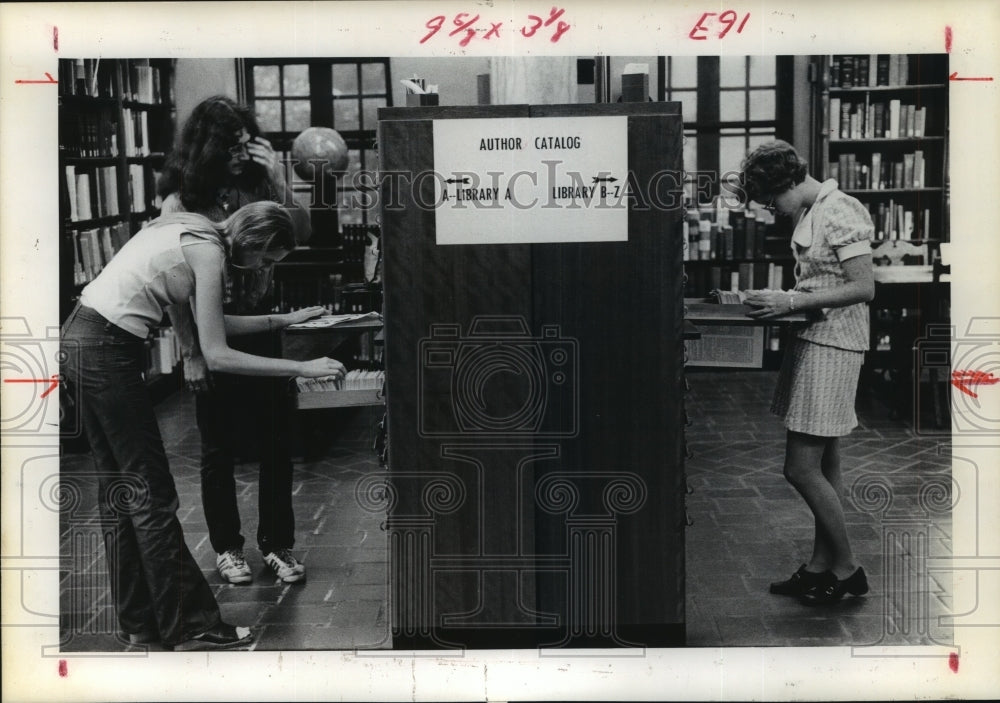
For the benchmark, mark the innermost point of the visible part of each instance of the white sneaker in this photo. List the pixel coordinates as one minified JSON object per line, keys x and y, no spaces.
{"x":287,"y":567}
{"x":233,"y":566}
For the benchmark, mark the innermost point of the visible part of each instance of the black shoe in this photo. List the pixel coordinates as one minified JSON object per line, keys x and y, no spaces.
{"x":800,"y":582}
{"x":222,"y":636}
{"x":143,"y":638}
{"x":832,"y":589}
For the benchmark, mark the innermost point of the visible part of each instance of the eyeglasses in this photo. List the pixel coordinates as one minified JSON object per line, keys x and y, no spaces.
{"x":769,"y":205}
{"x":239,"y":149}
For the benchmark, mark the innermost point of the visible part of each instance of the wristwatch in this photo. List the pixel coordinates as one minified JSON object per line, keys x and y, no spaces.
{"x":791,"y":302}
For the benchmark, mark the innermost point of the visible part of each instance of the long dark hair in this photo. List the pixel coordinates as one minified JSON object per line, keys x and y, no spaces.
{"x":198,"y":165}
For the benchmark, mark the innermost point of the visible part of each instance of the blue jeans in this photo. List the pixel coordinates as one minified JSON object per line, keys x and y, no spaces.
{"x":156,"y":584}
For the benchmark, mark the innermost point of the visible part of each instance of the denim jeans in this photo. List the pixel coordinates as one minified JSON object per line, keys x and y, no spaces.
{"x":237,"y":409}
{"x":156,"y":584}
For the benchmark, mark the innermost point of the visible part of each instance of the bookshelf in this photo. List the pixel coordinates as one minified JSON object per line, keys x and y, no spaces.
{"x":116,"y":125}
{"x":883,"y":137}
{"x":738,"y":249}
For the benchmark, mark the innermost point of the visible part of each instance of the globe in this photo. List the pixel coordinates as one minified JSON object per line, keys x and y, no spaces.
{"x":319,"y":147}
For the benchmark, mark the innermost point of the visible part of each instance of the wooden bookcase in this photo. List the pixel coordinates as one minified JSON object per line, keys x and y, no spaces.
{"x":116,"y":126}
{"x":883,"y":135}
{"x":884,"y":138}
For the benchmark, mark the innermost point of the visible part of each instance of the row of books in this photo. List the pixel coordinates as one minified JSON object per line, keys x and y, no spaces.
{"x":88,"y":77}
{"x":356,"y":238}
{"x":736,"y":277}
{"x":894,"y":221}
{"x":89,"y":134}
{"x":888,"y":119}
{"x":869,"y":70}
{"x":94,"y":193}
{"x":96,"y":78}
{"x":136,"y":132}
{"x":880,"y":173}
{"x":329,"y":293}
{"x":736,"y":234}
{"x":94,"y":248}
{"x":141,"y":82}
{"x":163,"y":352}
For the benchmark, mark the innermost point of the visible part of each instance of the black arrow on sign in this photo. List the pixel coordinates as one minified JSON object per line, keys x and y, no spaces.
{"x":458,"y":180}
{"x":611,"y":179}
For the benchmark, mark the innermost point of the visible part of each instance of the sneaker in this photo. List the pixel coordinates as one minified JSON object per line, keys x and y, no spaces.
{"x":287,"y":567}
{"x":233,"y":566}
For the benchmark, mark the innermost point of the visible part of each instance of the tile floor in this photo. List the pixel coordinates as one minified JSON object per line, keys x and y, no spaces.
{"x":749,"y":528}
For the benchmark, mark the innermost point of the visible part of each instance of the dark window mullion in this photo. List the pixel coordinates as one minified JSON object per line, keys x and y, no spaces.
{"x":708,"y":114}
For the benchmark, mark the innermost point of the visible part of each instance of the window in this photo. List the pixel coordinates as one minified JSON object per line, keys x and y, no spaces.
{"x":289,"y":95}
{"x":730,"y":105}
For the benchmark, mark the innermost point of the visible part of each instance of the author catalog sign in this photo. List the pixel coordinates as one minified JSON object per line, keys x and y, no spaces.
{"x":531,"y":180}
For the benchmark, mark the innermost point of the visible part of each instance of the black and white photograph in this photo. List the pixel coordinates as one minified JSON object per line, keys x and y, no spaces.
{"x":557,"y":362}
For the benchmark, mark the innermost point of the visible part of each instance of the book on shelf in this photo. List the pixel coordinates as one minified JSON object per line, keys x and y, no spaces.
{"x":137,"y":187}
{"x":868,"y":70}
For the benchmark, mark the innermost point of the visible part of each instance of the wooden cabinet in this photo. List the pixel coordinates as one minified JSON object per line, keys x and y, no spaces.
{"x":535,"y":410}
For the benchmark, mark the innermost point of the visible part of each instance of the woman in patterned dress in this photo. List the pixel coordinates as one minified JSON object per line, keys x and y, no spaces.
{"x":817,"y":384}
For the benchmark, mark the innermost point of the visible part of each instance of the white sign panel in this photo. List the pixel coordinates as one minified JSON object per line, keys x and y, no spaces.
{"x":531,"y":180}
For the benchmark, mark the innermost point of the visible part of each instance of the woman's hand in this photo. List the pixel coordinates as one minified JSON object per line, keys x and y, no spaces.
{"x":769,"y":303}
{"x":260,"y":151}
{"x":320,"y":368}
{"x":293,"y":318}
{"x":196,"y":375}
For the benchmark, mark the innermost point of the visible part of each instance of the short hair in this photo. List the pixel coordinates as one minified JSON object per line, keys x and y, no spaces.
{"x":262,"y":226}
{"x":771,"y":169}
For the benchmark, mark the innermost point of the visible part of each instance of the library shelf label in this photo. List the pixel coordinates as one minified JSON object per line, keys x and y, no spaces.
{"x":531,"y":180}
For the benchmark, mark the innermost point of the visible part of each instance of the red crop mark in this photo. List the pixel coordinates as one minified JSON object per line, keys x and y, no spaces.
{"x":962,"y":380}
{"x":54,"y":382}
{"x":947,"y":39}
{"x":953,"y":662}
{"x":955,"y":77}
{"x":55,"y":39}
{"x":63,"y":668}
{"x":48,"y":76}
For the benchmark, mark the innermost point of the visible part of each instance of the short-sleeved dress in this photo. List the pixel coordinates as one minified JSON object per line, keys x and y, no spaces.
{"x":818,"y":380}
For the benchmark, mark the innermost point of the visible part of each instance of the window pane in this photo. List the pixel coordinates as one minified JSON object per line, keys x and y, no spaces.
{"x":757,"y":139}
{"x":265,"y":80}
{"x":732,"y":106}
{"x":731,"y":153}
{"x":761,"y":104}
{"x":269,"y":115}
{"x":296,"y":79}
{"x":345,"y":79}
{"x":353,"y":166}
{"x":373,"y":78}
{"x":732,"y":71}
{"x":370,"y":116}
{"x":683,"y":72}
{"x":345,"y":114}
{"x":762,"y":70}
{"x":690,"y":153}
{"x":350,"y":212}
{"x":297,"y":115}
{"x":689,"y":104}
